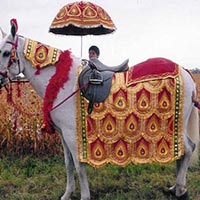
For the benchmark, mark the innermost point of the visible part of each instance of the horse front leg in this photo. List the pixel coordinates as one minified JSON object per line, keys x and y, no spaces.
{"x":70,"y":187}
{"x":82,"y":175}
{"x":71,"y":159}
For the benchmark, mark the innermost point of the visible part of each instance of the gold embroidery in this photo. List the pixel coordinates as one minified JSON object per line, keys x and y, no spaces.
{"x":40,"y":55}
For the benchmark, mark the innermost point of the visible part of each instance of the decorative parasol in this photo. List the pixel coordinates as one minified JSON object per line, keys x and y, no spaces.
{"x":82,"y":18}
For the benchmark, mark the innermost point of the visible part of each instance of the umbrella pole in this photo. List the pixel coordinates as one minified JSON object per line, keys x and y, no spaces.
{"x":81,"y":46}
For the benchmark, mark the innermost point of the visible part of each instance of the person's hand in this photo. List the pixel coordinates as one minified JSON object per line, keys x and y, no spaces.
{"x":196,"y":103}
{"x":193,"y":97}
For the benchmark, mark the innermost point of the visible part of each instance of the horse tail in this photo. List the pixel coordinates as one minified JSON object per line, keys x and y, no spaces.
{"x":193,"y":133}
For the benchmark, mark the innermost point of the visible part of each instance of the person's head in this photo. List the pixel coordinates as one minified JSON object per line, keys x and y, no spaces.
{"x":94,"y":52}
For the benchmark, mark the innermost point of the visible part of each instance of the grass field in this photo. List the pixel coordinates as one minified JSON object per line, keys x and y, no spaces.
{"x":31,"y":178}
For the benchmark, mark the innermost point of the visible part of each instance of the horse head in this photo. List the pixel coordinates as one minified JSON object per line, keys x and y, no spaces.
{"x":9,"y":60}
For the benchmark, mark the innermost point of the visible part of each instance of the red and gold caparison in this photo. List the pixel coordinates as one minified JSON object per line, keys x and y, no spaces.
{"x":140,"y":122}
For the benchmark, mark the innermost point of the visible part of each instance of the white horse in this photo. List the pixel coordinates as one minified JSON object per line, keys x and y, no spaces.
{"x":13,"y":62}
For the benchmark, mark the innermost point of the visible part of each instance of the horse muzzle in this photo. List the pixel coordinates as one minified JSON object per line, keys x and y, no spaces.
{"x":3,"y":81}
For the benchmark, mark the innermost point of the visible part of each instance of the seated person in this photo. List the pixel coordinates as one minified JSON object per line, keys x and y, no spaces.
{"x":94,"y":52}
{"x":95,"y":63}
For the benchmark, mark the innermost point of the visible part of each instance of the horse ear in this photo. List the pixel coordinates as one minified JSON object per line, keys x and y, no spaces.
{"x":14,"y":27}
{"x":3,"y":33}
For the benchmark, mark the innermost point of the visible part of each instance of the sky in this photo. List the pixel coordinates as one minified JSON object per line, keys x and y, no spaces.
{"x":145,"y":29}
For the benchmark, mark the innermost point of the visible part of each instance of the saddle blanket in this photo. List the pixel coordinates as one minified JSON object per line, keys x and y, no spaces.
{"x":138,"y":123}
{"x":40,"y":55}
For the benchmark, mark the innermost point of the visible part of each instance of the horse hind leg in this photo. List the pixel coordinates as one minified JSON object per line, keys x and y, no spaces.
{"x":190,"y":153}
{"x":179,"y":189}
{"x":70,"y":188}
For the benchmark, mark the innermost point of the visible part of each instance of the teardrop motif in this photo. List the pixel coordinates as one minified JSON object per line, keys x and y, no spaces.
{"x":153,"y":124}
{"x":143,"y":102}
{"x":142,"y":150}
{"x":98,"y":151}
{"x":131,"y":124}
{"x":109,"y":125}
{"x":163,"y":148}
{"x":120,"y":100}
{"x":120,"y":151}
{"x":164,"y":102}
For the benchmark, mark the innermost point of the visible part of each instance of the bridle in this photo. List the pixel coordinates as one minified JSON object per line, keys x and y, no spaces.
{"x":14,"y":58}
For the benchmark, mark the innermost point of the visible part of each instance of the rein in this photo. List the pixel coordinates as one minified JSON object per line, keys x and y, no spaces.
{"x":71,"y":95}
{"x":13,"y":57}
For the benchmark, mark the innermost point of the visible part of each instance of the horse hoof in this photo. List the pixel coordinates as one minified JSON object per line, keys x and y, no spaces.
{"x":182,"y":194}
{"x":185,"y":196}
{"x":64,"y":198}
{"x":172,"y":190}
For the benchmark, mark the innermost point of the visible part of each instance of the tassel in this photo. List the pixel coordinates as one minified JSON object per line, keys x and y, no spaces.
{"x":14,"y":128}
{"x":38,"y":70}
{"x":9,"y":95}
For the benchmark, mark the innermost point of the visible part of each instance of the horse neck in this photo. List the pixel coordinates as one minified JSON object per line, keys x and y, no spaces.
{"x":38,"y":81}
{"x":41,"y":80}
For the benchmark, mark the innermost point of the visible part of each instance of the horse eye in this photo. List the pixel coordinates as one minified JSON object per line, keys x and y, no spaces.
{"x":6,"y":53}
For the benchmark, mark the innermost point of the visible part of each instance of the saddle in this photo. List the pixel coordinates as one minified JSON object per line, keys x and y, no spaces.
{"x":95,"y":80}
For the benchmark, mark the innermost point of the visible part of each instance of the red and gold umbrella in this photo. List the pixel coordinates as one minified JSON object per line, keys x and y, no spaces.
{"x":82,"y":18}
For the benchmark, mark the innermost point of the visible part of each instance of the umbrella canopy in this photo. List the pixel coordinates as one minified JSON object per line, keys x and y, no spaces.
{"x":82,"y":18}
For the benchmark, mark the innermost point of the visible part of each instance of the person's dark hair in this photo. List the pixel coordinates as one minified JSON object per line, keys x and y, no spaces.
{"x":95,"y":48}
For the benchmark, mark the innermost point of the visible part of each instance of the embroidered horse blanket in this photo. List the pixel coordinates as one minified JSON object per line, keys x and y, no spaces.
{"x":140,"y":122}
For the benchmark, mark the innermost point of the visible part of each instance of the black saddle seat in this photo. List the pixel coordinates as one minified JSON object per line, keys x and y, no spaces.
{"x":97,"y":80}
{"x":96,"y":64}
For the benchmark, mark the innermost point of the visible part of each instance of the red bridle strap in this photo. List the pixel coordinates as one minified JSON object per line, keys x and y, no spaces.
{"x":14,"y":44}
{"x":14,"y":57}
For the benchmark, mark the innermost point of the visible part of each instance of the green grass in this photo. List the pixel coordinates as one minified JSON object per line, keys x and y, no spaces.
{"x":32,"y":178}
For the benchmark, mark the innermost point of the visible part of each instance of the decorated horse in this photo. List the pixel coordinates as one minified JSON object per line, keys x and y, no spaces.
{"x":116,"y":115}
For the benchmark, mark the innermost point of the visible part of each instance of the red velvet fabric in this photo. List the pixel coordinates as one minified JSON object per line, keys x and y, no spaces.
{"x":153,"y":67}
